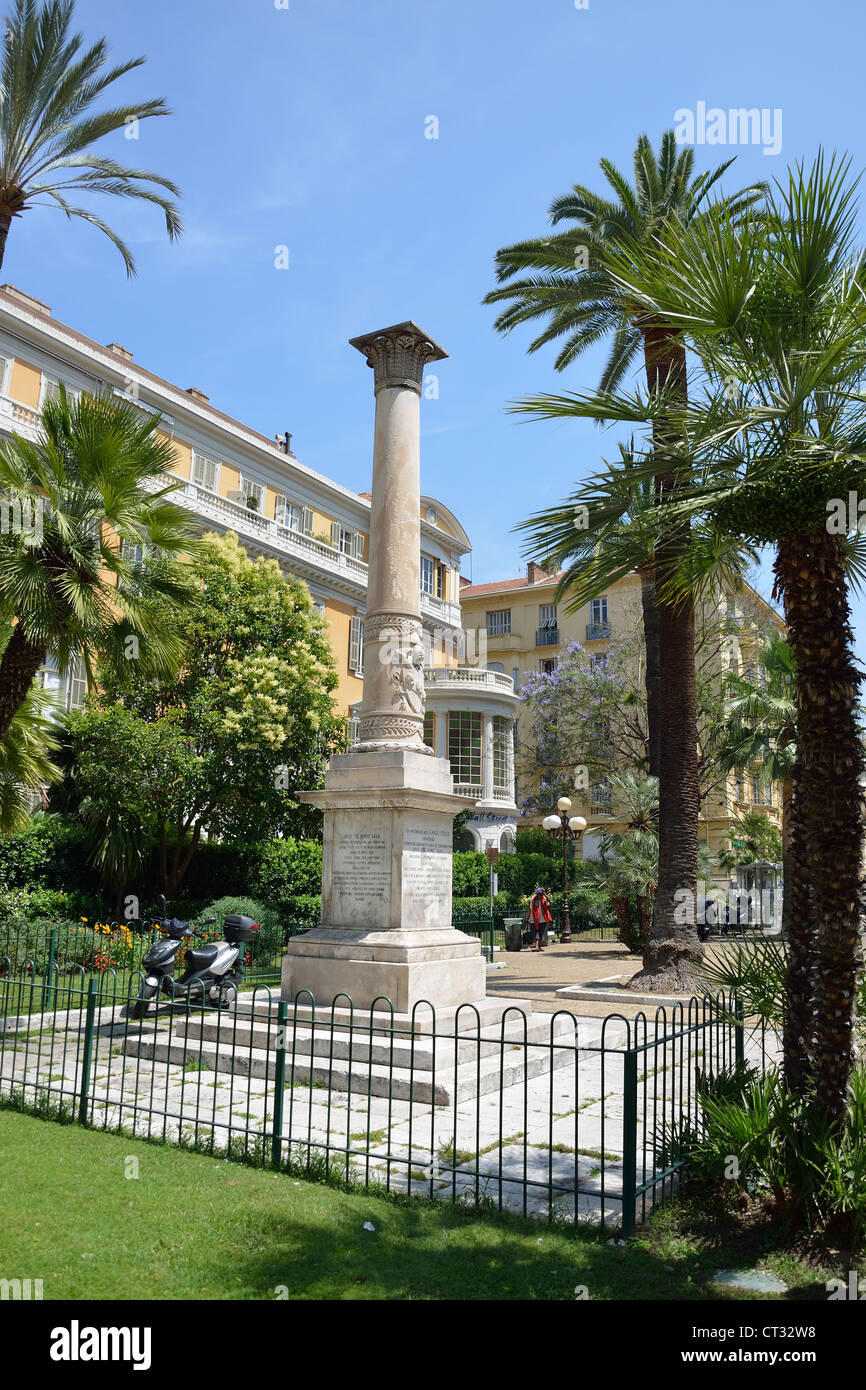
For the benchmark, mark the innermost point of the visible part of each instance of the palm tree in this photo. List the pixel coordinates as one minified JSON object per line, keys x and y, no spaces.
{"x":26,"y":758}
{"x":760,"y":736}
{"x":775,"y":306}
{"x":105,"y":539}
{"x":583,"y":305}
{"x":48,"y":86}
{"x":627,"y":867}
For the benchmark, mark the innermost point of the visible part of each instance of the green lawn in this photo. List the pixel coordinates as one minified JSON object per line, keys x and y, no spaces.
{"x":195,"y":1227}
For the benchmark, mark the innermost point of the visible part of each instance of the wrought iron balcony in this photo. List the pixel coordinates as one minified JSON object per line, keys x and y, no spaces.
{"x":596,"y":631}
{"x":547,"y":637}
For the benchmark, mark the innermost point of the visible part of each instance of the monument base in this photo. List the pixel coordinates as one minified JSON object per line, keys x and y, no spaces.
{"x":386,"y":928}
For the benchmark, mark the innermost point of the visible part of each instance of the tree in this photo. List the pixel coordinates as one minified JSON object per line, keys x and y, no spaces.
{"x":81,"y":499}
{"x":774,"y":308}
{"x":27,"y":758}
{"x":759,"y":736}
{"x":222,"y":749}
{"x":48,"y":127}
{"x":627,"y":867}
{"x":584,"y":304}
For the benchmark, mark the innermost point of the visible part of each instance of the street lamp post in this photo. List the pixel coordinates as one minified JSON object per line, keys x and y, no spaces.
{"x":564,"y":828}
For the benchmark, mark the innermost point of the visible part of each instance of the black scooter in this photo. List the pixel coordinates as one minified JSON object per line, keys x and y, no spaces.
{"x":211,"y":975}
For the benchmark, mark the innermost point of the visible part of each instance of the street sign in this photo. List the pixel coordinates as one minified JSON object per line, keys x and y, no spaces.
{"x":492,"y":853}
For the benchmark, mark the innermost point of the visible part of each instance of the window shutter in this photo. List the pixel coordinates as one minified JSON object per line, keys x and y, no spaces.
{"x":308,"y":521}
{"x":356,"y":644}
{"x":335,"y":534}
{"x":204,"y":472}
{"x":358,"y":545}
{"x":280,"y":509}
{"x":4,"y":372}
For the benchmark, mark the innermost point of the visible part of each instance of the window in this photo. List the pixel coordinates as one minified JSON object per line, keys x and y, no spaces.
{"x":354,"y":729}
{"x":464,"y":747}
{"x":499,"y":623}
{"x":287,"y":514}
{"x":430,"y":729}
{"x":50,"y":389}
{"x":601,"y":800}
{"x":506,"y":842}
{"x":501,"y":732}
{"x":547,"y":615}
{"x":347,"y":542}
{"x":77,"y":684}
{"x":5,"y":370}
{"x":515,"y":676}
{"x":761,"y":794}
{"x":547,"y":665}
{"x":598,"y":610}
{"x":204,"y":472}
{"x":428,"y":575}
{"x":356,"y":646}
{"x":252,"y":495}
{"x":496,"y":666}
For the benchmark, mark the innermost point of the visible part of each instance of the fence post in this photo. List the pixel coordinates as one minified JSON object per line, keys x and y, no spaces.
{"x":739,"y":1033}
{"x":47,"y":992}
{"x":629,"y":1141}
{"x":89,"y":1021}
{"x":279,"y":1082}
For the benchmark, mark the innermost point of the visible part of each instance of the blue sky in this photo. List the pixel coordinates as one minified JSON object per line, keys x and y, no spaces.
{"x":305,"y":127}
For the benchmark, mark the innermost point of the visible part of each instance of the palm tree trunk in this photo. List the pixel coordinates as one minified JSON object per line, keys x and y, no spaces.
{"x":18,"y":667}
{"x":673,"y":951}
{"x":652,"y":680}
{"x":810,"y":573}
{"x":5,"y":224}
{"x":799,"y":1024}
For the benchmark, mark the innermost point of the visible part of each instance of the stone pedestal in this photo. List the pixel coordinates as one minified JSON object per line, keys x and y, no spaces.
{"x":386,"y":889}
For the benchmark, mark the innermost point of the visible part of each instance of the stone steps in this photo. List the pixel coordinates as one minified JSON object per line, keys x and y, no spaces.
{"x":371,"y":1059}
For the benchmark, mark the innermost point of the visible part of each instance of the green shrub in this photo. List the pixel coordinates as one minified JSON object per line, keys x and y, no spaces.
{"x":271,"y":935}
{"x":470,"y":873}
{"x":786,"y":1148}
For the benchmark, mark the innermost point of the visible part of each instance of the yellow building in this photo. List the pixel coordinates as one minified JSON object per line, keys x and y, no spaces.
{"x":527,"y":632}
{"x":232,"y":478}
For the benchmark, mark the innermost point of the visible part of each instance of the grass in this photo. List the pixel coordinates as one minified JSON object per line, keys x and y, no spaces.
{"x":70,"y":1216}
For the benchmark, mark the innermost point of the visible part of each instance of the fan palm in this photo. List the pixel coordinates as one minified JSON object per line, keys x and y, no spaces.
{"x":760,"y":736}
{"x":775,"y":308}
{"x":26,"y":761}
{"x":48,"y":86}
{"x":582,"y":304}
{"x":106,"y":538}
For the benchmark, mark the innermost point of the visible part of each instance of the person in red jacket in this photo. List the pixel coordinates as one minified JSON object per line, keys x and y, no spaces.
{"x":541,"y":916}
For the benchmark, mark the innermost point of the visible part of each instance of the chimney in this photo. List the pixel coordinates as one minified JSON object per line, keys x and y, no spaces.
{"x":197,"y":395}
{"x":26,"y":299}
{"x":121,"y":351}
{"x":535,"y":574}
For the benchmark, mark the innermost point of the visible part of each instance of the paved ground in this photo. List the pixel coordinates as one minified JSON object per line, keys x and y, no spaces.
{"x":538,"y":975}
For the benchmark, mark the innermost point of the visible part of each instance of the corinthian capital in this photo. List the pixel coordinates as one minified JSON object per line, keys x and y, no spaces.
{"x":398,"y":355}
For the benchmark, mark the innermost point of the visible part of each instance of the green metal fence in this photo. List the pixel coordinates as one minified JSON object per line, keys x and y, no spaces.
{"x":546,"y":1115}
{"x":42,"y":949}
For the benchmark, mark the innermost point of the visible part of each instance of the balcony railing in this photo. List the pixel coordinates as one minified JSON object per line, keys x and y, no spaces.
{"x":595,"y":631}
{"x":468,"y":675}
{"x":547,"y":637}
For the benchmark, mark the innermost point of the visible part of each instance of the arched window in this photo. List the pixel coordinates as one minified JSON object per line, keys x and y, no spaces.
{"x":506,"y":842}
{"x":466,"y":839}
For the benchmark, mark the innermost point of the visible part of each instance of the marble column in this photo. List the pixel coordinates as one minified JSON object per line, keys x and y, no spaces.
{"x":389,"y":803}
{"x":392,"y":711}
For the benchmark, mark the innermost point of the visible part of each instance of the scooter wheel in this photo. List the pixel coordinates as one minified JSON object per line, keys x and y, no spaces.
{"x":142,"y":1003}
{"x":228,"y":995}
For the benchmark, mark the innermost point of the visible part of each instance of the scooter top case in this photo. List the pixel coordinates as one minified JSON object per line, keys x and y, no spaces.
{"x":239,"y":929}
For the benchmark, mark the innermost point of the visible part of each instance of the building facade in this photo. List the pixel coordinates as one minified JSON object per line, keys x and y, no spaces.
{"x":232,"y":478}
{"x":527,"y":632}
